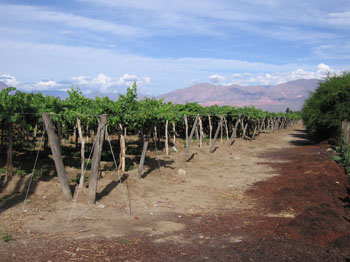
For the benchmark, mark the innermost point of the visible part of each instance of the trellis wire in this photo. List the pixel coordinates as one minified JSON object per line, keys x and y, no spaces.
{"x":120,"y":180}
{"x":35,"y":162}
{"x":85,"y":168}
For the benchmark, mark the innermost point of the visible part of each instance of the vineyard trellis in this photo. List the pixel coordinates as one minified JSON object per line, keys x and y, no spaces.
{"x":21,"y":114}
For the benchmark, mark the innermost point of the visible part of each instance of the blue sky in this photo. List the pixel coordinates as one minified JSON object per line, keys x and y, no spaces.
{"x":104,"y":45}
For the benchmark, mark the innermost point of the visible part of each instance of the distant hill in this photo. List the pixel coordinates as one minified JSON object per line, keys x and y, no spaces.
{"x":2,"y":85}
{"x":273,"y":98}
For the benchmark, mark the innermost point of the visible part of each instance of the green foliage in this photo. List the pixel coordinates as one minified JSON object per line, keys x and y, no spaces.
{"x":5,"y":237}
{"x":25,"y":110}
{"x":40,"y":174}
{"x":328,"y":106}
{"x":343,"y":157}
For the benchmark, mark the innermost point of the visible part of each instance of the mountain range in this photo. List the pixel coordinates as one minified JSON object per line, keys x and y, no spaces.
{"x":272,"y":98}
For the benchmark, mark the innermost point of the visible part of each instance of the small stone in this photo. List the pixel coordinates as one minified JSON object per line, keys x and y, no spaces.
{"x":181,"y":172}
{"x":237,"y":158}
{"x":101,"y":206}
{"x":175,"y":149}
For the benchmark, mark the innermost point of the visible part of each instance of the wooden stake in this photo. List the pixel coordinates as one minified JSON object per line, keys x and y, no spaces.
{"x":200,"y":133}
{"x":186,"y":125}
{"x":122,"y":150}
{"x":221,"y":133}
{"x":216,"y":134}
{"x":245,"y":128}
{"x":57,"y":157}
{"x":144,"y":149}
{"x":82,"y":154}
{"x":226,"y":128}
{"x":188,"y":142}
{"x":96,"y":159}
{"x":174,"y":137}
{"x":166,"y":138}
{"x":210,"y":129}
{"x":234,"y":131}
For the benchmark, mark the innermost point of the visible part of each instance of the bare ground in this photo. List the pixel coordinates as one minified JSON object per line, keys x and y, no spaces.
{"x":277,"y":198}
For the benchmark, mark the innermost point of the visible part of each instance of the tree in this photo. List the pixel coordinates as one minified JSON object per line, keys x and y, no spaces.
{"x":328,"y":106}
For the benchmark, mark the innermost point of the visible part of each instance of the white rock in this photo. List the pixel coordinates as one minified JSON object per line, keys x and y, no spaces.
{"x":181,"y":172}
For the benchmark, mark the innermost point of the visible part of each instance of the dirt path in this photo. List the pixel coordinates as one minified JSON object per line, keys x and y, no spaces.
{"x":278,"y":198}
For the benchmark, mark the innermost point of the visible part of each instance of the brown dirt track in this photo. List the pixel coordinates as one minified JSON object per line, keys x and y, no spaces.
{"x":301,"y":214}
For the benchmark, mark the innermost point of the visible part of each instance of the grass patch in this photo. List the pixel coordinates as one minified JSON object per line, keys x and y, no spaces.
{"x":5,"y":237}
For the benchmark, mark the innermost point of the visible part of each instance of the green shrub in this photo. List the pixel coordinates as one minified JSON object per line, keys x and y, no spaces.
{"x":343,"y":157}
{"x":328,"y":106}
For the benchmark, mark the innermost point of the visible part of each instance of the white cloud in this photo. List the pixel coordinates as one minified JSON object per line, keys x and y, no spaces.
{"x":217,"y":79}
{"x":273,"y":78}
{"x":322,"y":68}
{"x":31,"y":13}
{"x":105,"y":84}
{"x":339,"y":18}
{"x":48,"y":83}
{"x":9,"y":80}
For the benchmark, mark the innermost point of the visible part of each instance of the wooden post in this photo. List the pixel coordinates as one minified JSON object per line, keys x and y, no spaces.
{"x":221,"y":132}
{"x":186,"y":126}
{"x":234,"y":131}
{"x":200,"y":132}
{"x":144,"y":150}
{"x":166,"y":138}
{"x":59,"y":132}
{"x":197,"y":133}
{"x":57,"y":157}
{"x":174,"y":137}
{"x":216,"y":134}
{"x":262,"y":124}
{"x":210,"y":129}
{"x":245,"y":128}
{"x":345,"y":133}
{"x":226,"y":128}
{"x":96,"y":158}
{"x":255,"y":128}
{"x":122,"y":150}
{"x":82,"y":154}
{"x":188,"y":142}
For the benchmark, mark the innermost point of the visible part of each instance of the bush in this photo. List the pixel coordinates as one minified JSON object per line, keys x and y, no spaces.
{"x":328,"y":106}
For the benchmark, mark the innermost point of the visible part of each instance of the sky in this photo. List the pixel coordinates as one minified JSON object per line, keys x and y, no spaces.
{"x":162,"y":45}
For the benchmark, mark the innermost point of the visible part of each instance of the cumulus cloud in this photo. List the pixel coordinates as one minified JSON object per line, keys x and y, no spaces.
{"x":320,"y":71}
{"x":324,"y":68}
{"x":9,"y":80}
{"x":217,"y":79}
{"x":106,"y":84}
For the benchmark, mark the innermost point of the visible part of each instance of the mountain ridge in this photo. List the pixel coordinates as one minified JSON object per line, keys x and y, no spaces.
{"x":278,"y":97}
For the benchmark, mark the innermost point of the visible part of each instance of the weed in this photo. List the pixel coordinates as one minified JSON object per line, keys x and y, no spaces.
{"x":343,"y":157}
{"x":40,"y":174}
{"x":125,"y":241}
{"x":5,"y":237}
{"x":76,"y":180}
{"x":20,"y":172}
